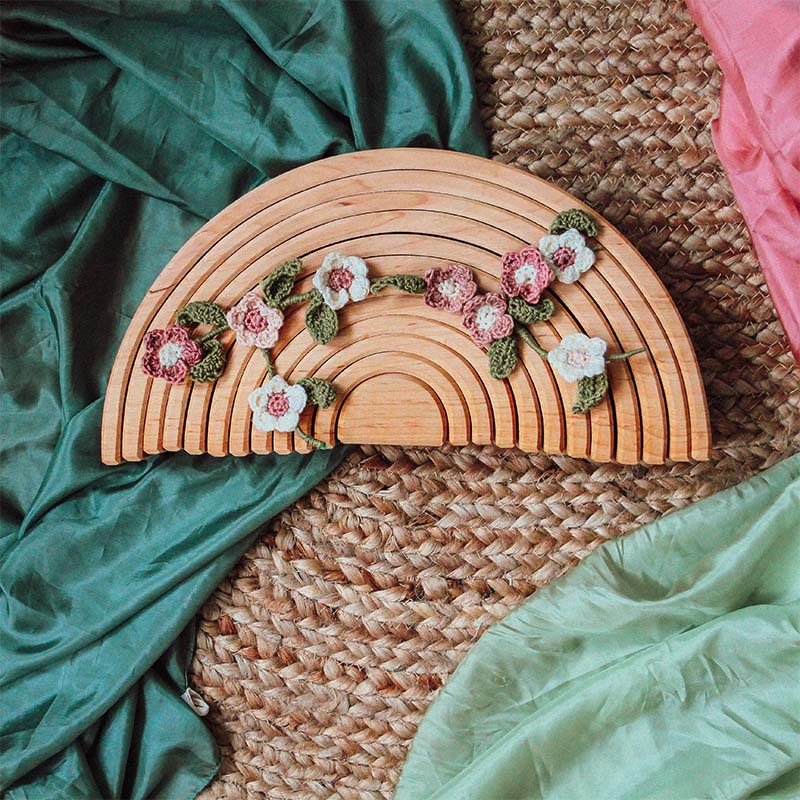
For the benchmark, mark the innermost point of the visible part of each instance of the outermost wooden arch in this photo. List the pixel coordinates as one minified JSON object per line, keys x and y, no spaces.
{"x":406,"y":373}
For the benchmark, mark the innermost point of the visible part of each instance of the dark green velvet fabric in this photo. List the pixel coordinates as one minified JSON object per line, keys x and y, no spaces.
{"x":126,"y":125}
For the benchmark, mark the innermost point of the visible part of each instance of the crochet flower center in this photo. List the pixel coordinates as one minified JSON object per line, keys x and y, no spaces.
{"x":255,"y":321}
{"x":578,"y":357}
{"x":340,"y":278}
{"x":486,"y":317}
{"x":526,"y":274}
{"x":564,"y":257}
{"x":277,"y":404}
{"x":449,"y":288}
{"x":170,"y":354}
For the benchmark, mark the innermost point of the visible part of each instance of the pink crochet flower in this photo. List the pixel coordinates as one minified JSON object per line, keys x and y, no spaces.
{"x":485,"y":318}
{"x":449,"y":288}
{"x":525,"y":274}
{"x":256,"y":324}
{"x":169,"y":353}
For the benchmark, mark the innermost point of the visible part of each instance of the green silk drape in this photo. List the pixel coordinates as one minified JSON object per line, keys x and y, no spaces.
{"x":665,"y":666}
{"x":126,"y":125}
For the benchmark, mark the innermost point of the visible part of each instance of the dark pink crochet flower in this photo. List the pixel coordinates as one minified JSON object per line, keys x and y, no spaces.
{"x":485,"y":318}
{"x":449,"y":287}
{"x":169,"y":353}
{"x":526,"y":274}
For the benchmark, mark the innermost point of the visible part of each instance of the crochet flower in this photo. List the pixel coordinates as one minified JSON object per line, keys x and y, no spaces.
{"x":169,"y":353}
{"x":485,"y":318}
{"x":255,"y":323}
{"x":567,"y":254}
{"x":277,"y":406}
{"x":578,"y":357}
{"x":341,"y":278}
{"x":449,"y":288}
{"x":525,"y":274}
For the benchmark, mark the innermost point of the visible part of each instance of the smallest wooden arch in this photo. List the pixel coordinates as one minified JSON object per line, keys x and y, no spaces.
{"x":408,"y":374}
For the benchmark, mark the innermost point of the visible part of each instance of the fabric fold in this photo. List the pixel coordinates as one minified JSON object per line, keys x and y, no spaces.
{"x":757,"y":134}
{"x":125,"y":127}
{"x":663,"y":666}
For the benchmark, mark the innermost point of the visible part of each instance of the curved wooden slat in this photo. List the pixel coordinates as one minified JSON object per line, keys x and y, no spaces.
{"x":406,"y":210}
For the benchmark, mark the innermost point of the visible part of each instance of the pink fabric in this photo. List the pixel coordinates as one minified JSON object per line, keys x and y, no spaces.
{"x":757,"y":135}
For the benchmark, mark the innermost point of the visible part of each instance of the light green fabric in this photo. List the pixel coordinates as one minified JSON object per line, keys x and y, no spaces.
{"x":666,"y":666}
{"x":126,"y":126}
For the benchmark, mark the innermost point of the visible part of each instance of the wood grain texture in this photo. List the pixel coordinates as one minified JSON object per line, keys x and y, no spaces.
{"x":406,"y":373}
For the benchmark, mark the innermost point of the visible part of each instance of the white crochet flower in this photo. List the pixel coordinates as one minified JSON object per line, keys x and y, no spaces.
{"x":578,"y":357}
{"x":341,"y":278}
{"x":567,"y":254}
{"x":277,"y":406}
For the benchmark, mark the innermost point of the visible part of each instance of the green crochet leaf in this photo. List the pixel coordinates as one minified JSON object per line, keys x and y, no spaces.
{"x":410,"y":284}
{"x":574,"y":218}
{"x":526,"y":313}
{"x":201,"y":312}
{"x":590,"y":392}
{"x":503,"y":357}
{"x":320,"y":393}
{"x":210,"y":368}
{"x":321,"y":320}
{"x":279,"y":284}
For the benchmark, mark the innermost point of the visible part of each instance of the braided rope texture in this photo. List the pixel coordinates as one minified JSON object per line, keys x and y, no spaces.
{"x":321,"y":651}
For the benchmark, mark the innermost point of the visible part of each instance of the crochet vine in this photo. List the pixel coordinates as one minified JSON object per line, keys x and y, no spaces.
{"x":496,"y":321}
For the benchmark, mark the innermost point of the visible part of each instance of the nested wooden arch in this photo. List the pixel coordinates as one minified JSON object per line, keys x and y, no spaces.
{"x":406,"y":373}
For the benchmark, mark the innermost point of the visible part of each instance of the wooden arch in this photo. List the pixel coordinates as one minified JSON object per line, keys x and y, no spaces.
{"x":406,"y":373}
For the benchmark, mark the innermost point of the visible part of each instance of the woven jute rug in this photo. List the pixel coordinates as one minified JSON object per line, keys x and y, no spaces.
{"x":322,"y":650}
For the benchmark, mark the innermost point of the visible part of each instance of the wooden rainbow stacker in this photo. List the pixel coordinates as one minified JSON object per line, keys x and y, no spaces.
{"x":405,"y":373}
